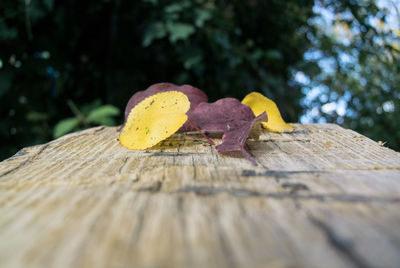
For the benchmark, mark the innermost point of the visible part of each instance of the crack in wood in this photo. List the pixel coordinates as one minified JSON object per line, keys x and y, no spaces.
{"x":341,"y":244}
{"x":347,"y":198}
{"x":123,"y":165}
{"x":26,"y":161}
{"x":152,"y":189}
{"x":295,"y":187}
{"x":99,"y":129}
{"x":172,"y":154}
{"x":20,"y":153}
{"x":282,"y":140}
{"x":278,"y":173}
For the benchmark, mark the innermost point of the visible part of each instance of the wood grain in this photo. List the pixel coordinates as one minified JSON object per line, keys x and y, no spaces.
{"x":321,"y":196}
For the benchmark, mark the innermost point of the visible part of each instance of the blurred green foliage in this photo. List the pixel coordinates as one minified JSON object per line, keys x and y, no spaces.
{"x":60,"y":60}
{"x":362,"y":50}
{"x":88,"y":115}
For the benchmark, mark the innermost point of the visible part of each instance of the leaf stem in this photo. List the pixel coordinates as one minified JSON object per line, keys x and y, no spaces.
{"x":77,"y":113}
{"x":204,"y":135}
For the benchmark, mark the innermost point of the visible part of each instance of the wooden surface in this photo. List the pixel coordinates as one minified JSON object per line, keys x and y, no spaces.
{"x":320,"y":197}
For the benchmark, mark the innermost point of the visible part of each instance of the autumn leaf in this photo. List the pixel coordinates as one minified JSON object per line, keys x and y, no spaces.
{"x":259,"y":104}
{"x":234,"y":119}
{"x":154,"y":119}
{"x":147,"y":122}
{"x":194,"y":95}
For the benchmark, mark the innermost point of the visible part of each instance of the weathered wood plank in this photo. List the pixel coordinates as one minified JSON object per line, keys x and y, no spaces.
{"x":322,"y":196}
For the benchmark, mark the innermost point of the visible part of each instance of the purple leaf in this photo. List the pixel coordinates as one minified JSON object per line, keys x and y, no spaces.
{"x":233,"y":118}
{"x":194,"y":95}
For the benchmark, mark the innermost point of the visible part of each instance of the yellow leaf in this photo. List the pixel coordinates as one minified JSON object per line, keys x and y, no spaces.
{"x":154,"y":119}
{"x":259,"y":104}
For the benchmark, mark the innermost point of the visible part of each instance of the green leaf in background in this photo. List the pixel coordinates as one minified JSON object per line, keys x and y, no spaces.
{"x":202,"y":15}
{"x":179,"y":31}
{"x":155,"y":31}
{"x":175,"y":7}
{"x":106,"y":121}
{"x":5,"y":82}
{"x":7,"y":33}
{"x":274,"y":54}
{"x":103,"y":114}
{"x":34,"y":116}
{"x":192,"y":57}
{"x":154,"y":2}
{"x":49,"y":4}
{"x":87,"y":108}
{"x":65,"y":126}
